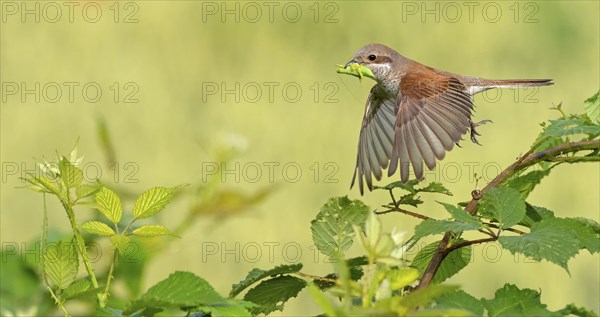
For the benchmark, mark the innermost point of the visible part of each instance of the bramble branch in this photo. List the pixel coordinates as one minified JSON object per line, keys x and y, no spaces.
{"x":528,"y":159}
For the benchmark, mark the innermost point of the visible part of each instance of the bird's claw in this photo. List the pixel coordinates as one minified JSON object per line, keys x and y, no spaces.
{"x":474,"y":133}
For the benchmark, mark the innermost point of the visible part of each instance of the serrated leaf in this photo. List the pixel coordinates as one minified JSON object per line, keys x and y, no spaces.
{"x":79,"y":288}
{"x":401,"y":277}
{"x":435,"y":187}
{"x":571,"y":126}
{"x":572,"y":309}
{"x":110,"y":312}
{"x":257,"y":274}
{"x":153,"y":200}
{"x":408,"y":186}
{"x":270,"y":295}
{"x":179,"y":290}
{"x":69,"y":173}
{"x":592,"y":108}
{"x":504,"y":204}
{"x":588,"y":233}
{"x":410,"y":200}
{"x":109,"y":204}
{"x":153,"y":231}
{"x":332,"y":229}
{"x":461,"y":300}
{"x":535,"y":214}
{"x":61,"y":263}
{"x":432,"y":226}
{"x":512,"y":301}
{"x":420,"y":297}
{"x":462,"y":215}
{"x":550,"y":239}
{"x":97,"y":227}
{"x":525,"y":183}
{"x":120,"y":242}
{"x":234,"y":308}
{"x":353,"y":265}
{"x":452,"y":263}
{"x":86,"y":190}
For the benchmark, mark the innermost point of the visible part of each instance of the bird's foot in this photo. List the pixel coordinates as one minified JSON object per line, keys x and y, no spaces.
{"x":474,"y":132}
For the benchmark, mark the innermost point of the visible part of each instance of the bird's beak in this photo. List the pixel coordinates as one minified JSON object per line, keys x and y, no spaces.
{"x":352,"y":61}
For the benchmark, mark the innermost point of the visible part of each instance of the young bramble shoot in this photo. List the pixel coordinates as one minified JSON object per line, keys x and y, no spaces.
{"x":356,"y":70}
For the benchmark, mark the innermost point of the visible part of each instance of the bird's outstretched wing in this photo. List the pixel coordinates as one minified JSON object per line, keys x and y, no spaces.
{"x":430,"y":114}
{"x":376,"y":138}
{"x":434,"y":111}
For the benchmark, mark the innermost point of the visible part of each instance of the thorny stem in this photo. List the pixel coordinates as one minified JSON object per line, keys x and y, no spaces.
{"x":82,"y":248}
{"x":523,"y":162}
{"x":110,"y":276}
{"x":59,"y":303}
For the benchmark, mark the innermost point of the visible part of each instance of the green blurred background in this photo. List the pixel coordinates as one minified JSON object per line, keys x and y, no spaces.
{"x":175,"y":50}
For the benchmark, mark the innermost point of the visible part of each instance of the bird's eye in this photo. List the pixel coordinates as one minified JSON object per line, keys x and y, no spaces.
{"x":372,"y":57}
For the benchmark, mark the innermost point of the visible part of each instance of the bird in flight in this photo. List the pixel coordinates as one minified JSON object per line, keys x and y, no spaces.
{"x":414,"y":113}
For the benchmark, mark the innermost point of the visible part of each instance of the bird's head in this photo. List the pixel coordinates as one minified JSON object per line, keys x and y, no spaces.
{"x":376,"y":57}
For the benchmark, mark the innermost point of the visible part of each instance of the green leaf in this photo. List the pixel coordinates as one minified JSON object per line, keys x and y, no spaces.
{"x":79,"y":288}
{"x":462,"y":215}
{"x":411,"y":199}
{"x":408,"y":186}
{"x":61,"y":263}
{"x":586,"y":230}
{"x":571,"y":126}
{"x":120,"y":242}
{"x":524,"y":184}
{"x":234,"y":308}
{"x":353,"y":265}
{"x":452,"y":263}
{"x":42,"y":184}
{"x":572,"y":309}
{"x":550,"y":239}
{"x":504,"y":204}
{"x":592,"y":108}
{"x":109,"y":204}
{"x":153,"y":231}
{"x":179,"y":290}
{"x":400,"y":278}
{"x":332,"y":229}
{"x":110,"y":312}
{"x":153,"y":200}
{"x":70,"y":175}
{"x":588,"y":233}
{"x":435,"y":187}
{"x":432,"y":226}
{"x":86,"y":190}
{"x":461,"y":300}
{"x":97,"y":227}
{"x":535,"y":214}
{"x":270,"y":293}
{"x":257,"y":274}
{"x":417,"y":298}
{"x":512,"y":301}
